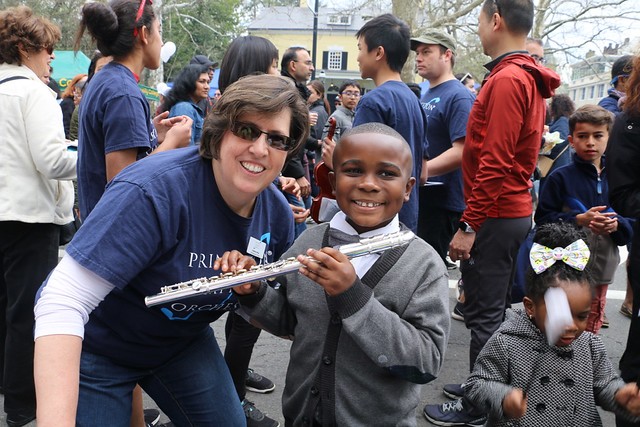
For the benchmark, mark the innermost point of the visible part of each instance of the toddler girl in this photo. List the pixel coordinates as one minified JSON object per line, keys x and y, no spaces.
{"x":521,"y":379}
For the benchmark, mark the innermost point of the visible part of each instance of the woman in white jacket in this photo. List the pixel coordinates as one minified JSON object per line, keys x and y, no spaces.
{"x":34,"y":158}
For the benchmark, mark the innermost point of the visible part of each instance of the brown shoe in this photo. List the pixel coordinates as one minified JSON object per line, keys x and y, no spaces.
{"x":626,"y":311}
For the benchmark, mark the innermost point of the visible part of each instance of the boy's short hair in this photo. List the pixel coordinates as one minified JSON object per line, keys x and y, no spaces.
{"x":348,"y":83}
{"x":374,"y":127}
{"x":517,"y":14}
{"x":262,"y":95}
{"x":379,"y":128}
{"x":392,"y":34}
{"x":593,"y":114}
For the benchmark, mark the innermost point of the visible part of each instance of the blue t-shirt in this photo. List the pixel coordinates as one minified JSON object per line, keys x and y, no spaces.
{"x":114,"y":115}
{"x":447,"y":106}
{"x":395,"y":105}
{"x":191,"y":110}
{"x":160,"y":222}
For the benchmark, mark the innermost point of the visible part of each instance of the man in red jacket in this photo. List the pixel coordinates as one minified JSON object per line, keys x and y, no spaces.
{"x":503,"y":140}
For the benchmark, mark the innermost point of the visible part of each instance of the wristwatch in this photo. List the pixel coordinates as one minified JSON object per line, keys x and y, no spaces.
{"x":464,"y":226}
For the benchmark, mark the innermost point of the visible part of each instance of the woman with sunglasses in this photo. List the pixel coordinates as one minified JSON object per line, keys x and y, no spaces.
{"x":163,"y":221}
{"x":189,"y":88}
{"x":247,"y":55}
{"x":115,"y":127}
{"x":34,"y":158}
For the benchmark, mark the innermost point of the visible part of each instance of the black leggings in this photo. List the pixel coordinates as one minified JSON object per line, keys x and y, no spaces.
{"x":241,"y":337}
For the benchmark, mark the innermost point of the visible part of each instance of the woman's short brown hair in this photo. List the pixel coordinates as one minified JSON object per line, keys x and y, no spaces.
{"x":20,"y":28}
{"x":265,"y":95}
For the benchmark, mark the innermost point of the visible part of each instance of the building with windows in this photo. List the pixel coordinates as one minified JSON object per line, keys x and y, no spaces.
{"x":336,"y":59}
{"x":591,"y":77}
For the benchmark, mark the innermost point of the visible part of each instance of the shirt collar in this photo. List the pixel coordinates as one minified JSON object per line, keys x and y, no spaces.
{"x":339,"y":222}
{"x":491,"y":65}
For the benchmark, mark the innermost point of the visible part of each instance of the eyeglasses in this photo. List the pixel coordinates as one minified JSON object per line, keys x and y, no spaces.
{"x":251,"y":132}
{"x":539,"y":59}
{"x":307,"y":62}
{"x":139,"y":15}
{"x":49,"y":49}
{"x":351,"y":94}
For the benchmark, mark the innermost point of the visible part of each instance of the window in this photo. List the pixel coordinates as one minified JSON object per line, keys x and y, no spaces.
{"x":339,"y":20}
{"x":592,"y":92}
{"x":600,"y":90}
{"x":583,"y":93}
{"x":334,"y":60}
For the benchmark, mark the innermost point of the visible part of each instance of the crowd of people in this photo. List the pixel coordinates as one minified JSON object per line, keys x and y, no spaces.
{"x":226,"y":184}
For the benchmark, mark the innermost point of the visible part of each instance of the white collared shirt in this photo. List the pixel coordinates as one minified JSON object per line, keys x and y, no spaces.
{"x":363,"y":264}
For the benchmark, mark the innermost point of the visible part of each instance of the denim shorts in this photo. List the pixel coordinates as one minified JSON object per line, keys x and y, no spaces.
{"x":193,"y":389}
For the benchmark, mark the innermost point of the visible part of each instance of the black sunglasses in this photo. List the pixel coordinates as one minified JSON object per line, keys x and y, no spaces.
{"x":251,"y":132}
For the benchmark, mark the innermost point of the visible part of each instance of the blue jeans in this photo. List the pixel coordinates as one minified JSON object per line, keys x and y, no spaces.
{"x":193,"y":389}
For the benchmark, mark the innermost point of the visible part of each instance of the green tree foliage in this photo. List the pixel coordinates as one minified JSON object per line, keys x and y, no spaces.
{"x":64,"y":13}
{"x":200,"y":27}
{"x":196,"y":27}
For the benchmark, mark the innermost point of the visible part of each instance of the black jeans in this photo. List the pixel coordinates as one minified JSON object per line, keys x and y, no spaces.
{"x":436,"y":226}
{"x":241,"y":337}
{"x":28,"y":253}
{"x":488,"y":276}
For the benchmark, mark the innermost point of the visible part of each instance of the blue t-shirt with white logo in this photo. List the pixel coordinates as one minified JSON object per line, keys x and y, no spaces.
{"x":114,"y":115}
{"x":447,"y":106}
{"x":163,"y":221}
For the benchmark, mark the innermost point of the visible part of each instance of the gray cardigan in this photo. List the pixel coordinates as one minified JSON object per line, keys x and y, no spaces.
{"x":358,"y":358}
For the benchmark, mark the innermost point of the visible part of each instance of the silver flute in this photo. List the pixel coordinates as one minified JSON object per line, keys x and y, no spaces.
{"x":207,"y":285}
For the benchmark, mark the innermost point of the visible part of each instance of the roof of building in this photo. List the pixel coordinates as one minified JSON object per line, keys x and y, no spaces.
{"x":287,"y":18}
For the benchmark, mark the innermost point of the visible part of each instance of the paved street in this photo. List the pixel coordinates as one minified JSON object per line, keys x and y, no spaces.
{"x":271,"y":356}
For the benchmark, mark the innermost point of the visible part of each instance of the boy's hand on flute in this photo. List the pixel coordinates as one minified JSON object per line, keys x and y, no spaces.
{"x":333,"y":270}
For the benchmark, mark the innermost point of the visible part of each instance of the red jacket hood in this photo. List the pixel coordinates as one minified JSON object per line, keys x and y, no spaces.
{"x":546,"y":79}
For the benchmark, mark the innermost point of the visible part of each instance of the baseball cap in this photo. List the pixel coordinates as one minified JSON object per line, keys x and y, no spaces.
{"x":435,"y":37}
{"x":622,"y":66}
{"x":203,"y":60}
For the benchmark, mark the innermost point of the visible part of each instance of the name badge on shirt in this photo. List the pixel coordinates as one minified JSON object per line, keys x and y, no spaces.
{"x":256,"y":248}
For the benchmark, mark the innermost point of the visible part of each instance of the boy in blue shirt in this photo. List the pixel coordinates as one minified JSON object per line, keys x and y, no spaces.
{"x":368,"y":330}
{"x":384,"y":44}
{"x":579,"y":192}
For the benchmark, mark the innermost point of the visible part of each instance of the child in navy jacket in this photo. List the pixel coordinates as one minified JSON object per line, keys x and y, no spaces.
{"x":579,"y":193}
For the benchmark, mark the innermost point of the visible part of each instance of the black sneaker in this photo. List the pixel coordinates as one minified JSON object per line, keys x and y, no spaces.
{"x":452,"y":413}
{"x":255,"y":417}
{"x":450,"y":265}
{"x":458,"y":312}
{"x":257,"y":383}
{"x":151,"y":417}
{"x":453,"y":391}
